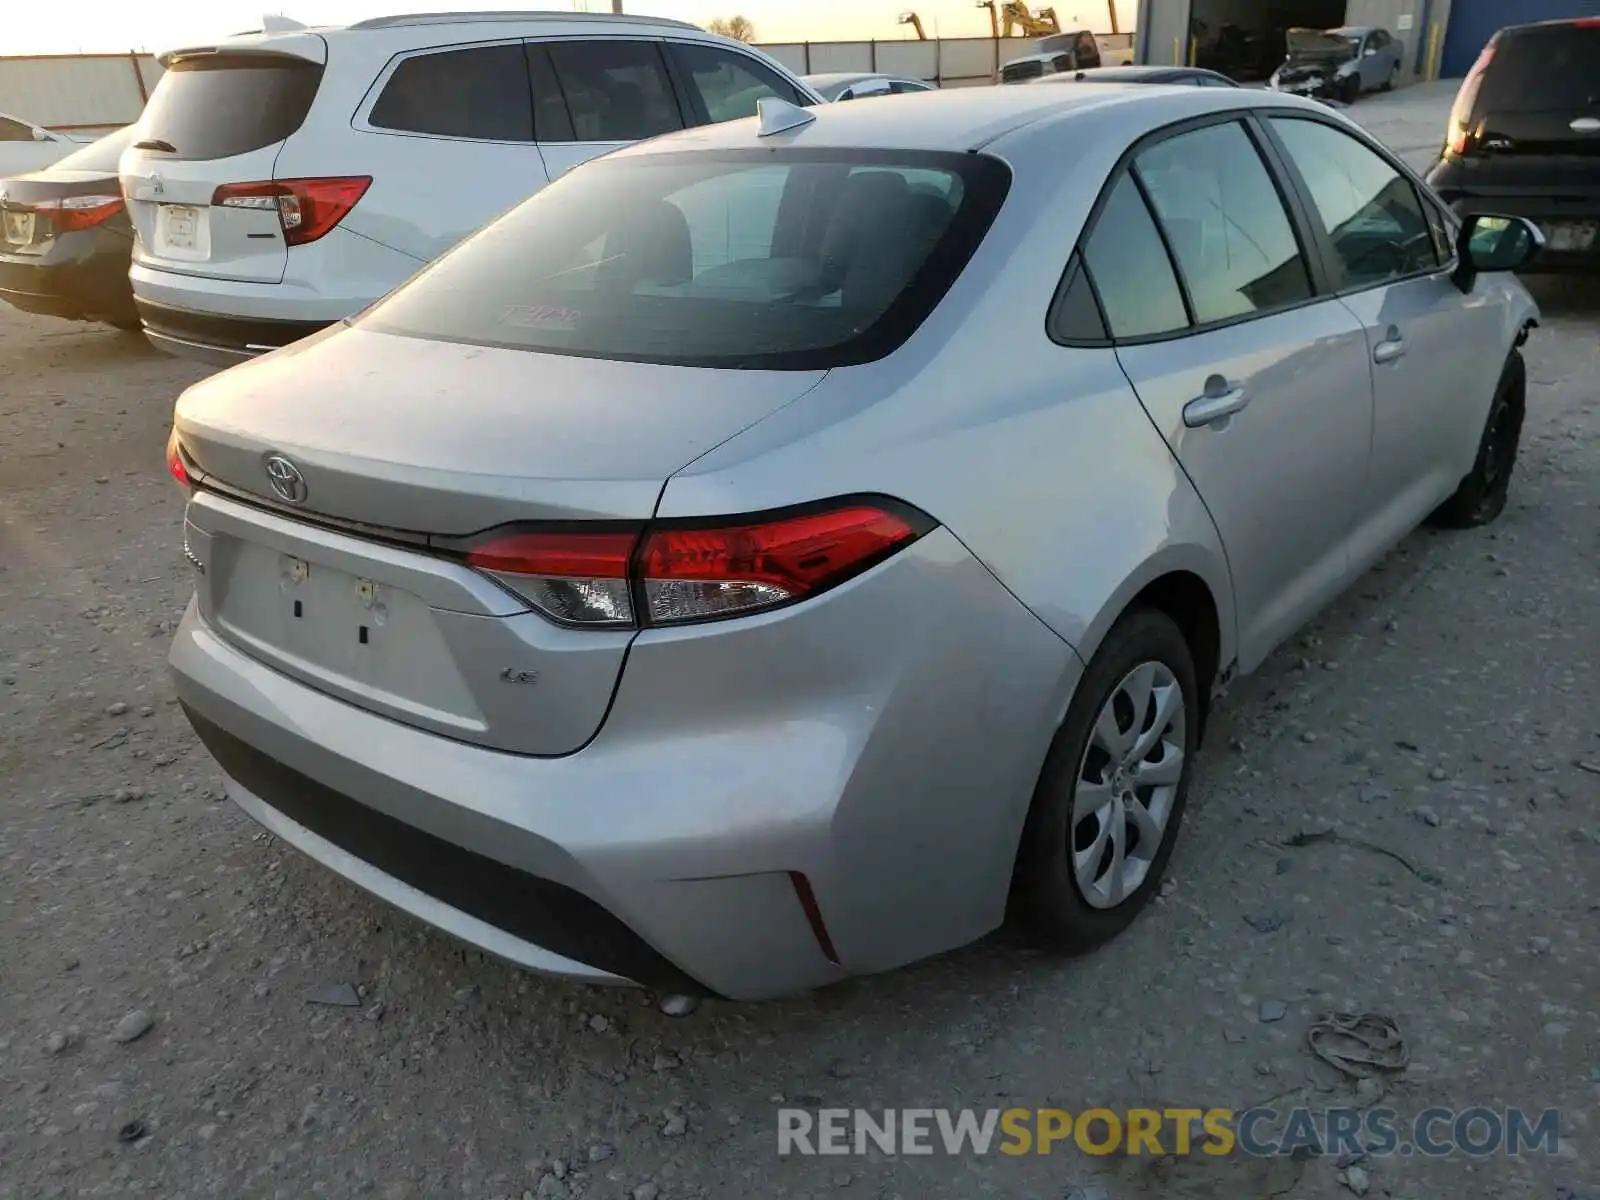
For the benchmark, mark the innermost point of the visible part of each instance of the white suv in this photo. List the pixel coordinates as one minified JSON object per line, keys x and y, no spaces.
{"x":283,"y":180}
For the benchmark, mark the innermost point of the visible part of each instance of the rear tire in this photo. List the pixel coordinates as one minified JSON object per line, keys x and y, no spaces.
{"x":1482,"y":494}
{"x":125,"y":324}
{"x":1105,"y":817}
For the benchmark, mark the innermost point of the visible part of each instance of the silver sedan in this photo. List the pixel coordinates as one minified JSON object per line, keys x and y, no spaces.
{"x":780,"y":551}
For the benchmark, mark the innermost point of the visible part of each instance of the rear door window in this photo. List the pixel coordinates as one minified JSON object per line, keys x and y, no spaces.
{"x":1130,"y":267}
{"x":1552,"y":69}
{"x":725,"y":85}
{"x":220,"y":105}
{"x":14,"y":131}
{"x":616,"y":91}
{"x":1225,"y":221}
{"x":480,"y":92}
{"x":1371,"y":212}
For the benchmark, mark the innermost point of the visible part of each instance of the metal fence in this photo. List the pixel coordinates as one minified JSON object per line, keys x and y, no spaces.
{"x":90,"y":92}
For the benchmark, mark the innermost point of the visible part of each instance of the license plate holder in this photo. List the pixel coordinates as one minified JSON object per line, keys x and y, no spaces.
{"x":182,"y":232}
{"x":1569,"y":237}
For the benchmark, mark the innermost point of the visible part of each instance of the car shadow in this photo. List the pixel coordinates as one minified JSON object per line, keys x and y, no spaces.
{"x":79,"y":347}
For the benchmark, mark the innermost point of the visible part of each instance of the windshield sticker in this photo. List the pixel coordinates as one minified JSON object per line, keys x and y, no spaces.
{"x":542,"y":316}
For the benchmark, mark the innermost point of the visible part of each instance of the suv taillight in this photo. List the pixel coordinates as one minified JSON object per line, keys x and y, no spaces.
{"x":1459,"y":139}
{"x":306,"y":208}
{"x":676,"y":572}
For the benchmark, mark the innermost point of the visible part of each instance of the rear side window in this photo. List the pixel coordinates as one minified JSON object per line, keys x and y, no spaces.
{"x":14,"y":131}
{"x":776,"y":259}
{"x":615,"y":91}
{"x":725,"y":85}
{"x":220,"y":105}
{"x":1225,"y":222}
{"x":1551,"y":69}
{"x":1130,"y":267}
{"x":1370,"y":211}
{"x":480,"y":92}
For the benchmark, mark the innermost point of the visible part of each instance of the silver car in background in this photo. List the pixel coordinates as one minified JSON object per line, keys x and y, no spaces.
{"x":858,"y":85}
{"x":778,"y":551}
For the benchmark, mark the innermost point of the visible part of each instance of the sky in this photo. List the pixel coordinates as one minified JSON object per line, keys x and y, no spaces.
{"x":109,"y":26}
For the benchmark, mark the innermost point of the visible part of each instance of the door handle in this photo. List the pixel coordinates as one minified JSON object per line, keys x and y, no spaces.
{"x":1388,"y":351}
{"x":1215,"y":405}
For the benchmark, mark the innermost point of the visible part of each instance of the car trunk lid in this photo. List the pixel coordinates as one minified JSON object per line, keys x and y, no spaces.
{"x":219,"y":116}
{"x":402,"y":446}
{"x":31,"y":206}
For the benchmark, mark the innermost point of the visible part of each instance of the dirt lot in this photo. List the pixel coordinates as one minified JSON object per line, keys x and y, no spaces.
{"x":1440,"y":714}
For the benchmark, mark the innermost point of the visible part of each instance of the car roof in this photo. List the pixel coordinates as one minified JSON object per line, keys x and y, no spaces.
{"x":1113,"y":74}
{"x":431,"y":27}
{"x":966,"y":119}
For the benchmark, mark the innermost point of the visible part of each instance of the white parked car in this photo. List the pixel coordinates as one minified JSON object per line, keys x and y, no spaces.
{"x":284,"y":180}
{"x":857,"y":85}
{"x":26,"y":147}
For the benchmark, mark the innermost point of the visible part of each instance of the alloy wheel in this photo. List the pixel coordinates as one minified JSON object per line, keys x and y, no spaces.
{"x":1126,"y":785}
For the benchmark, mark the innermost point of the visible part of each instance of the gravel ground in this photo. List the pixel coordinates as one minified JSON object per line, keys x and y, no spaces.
{"x":157,"y":951}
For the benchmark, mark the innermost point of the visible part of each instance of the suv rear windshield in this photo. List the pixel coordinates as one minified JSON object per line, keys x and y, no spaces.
{"x":220,"y":105}
{"x":1552,"y":68}
{"x":785,"y":260}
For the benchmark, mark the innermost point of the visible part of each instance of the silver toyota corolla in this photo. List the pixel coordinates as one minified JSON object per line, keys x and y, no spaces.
{"x":778,"y":551}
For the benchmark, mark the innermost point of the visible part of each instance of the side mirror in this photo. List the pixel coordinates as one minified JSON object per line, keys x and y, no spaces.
{"x":1370,"y":52}
{"x":1493,"y":243}
{"x":43,"y":135}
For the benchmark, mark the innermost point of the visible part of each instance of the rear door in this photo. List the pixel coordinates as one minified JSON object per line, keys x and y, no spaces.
{"x":595,"y":95}
{"x":447,"y":136}
{"x":218,"y":116}
{"x":1435,"y":357}
{"x":1260,"y":386}
{"x":1535,"y":112}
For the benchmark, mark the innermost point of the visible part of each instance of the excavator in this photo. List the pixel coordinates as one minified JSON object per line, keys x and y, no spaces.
{"x":911,"y":19}
{"x":1013,"y":14}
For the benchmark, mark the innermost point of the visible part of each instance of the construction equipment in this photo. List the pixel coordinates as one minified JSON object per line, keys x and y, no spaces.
{"x":1014,"y":15}
{"x":911,"y":19}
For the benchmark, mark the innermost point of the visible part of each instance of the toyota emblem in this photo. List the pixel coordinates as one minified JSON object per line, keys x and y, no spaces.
{"x":285,"y":479}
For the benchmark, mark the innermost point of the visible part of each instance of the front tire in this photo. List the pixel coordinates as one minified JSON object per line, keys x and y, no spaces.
{"x":1394,"y":78}
{"x":1110,"y":800}
{"x":1350,"y":90}
{"x":1482,"y":494}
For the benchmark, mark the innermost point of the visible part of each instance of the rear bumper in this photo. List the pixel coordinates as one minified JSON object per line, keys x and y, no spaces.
{"x":87,"y":280}
{"x":1447,"y":178}
{"x":881,"y":742}
{"x":223,"y":341}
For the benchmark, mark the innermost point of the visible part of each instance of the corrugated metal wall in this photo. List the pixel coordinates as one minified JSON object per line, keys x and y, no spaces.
{"x":80,"y":91}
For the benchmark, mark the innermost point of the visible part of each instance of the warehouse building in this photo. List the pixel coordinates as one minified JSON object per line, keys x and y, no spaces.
{"x":1244,"y":38}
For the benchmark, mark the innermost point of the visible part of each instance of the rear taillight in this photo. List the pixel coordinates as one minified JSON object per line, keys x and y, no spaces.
{"x":677,"y":572}
{"x":307,"y":208}
{"x":1459,"y":137}
{"x":576,"y":578}
{"x":694,"y":574}
{"x":176,"y":467}
{"x":82,"y":212}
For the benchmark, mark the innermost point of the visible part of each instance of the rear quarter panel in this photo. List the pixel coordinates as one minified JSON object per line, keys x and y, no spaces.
{"x":1037,"y":456}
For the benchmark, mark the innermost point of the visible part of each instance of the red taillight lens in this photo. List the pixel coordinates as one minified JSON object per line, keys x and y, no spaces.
{"x":575,"y":578}
{"x":694,"y":572}
{"x":176,"y":467}
{"x":307,"y":208}
{"x":81,"y":212}
{"x":699,"y":573}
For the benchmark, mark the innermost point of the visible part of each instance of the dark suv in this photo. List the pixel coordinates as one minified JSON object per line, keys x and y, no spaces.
{"x":1524,"y":137}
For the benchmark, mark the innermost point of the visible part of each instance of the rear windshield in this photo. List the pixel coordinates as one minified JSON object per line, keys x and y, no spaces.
{"x":220,"y":105}
{"x":1553,"y":69}
{"x":769,"y":259}
{"x":101,"y":155}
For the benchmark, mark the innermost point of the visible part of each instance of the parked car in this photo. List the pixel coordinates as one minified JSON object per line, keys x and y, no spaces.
{"x":26,"y":147}
{"x":286,"y":179}
{"x":1524,"y":137}
{"x":65,"y":238}
{"x":672,"y":584}
{"x":1053,"y":55}
{"x":1339,"y":64}
{"x":1181,"y":76}
{"x":855,"y":85}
